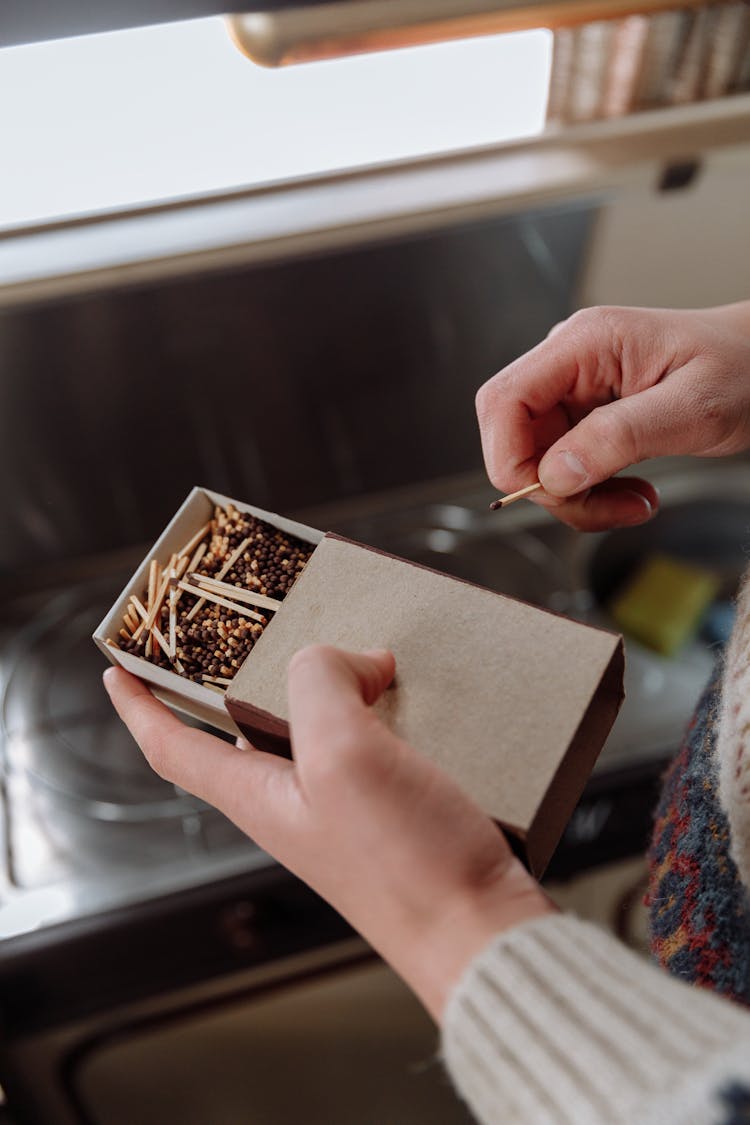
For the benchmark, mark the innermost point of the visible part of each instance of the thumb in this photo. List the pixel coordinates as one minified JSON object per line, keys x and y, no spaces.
{"x":331,"y":689}
{"x":651,"y":423}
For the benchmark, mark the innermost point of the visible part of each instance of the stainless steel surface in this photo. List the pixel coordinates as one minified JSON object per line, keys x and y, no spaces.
{"x":88,"y":827}
{"x":337,"y":377}
{"x":348,"y":379}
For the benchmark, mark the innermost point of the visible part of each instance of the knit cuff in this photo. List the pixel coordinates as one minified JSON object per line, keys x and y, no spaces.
{"x":557,"y":1023}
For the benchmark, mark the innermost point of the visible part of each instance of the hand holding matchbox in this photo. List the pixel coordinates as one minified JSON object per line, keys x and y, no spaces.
{"x":512,"y":701}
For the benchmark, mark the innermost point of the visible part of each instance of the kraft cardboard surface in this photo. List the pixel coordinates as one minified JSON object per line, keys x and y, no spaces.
{"x":514,"y":702}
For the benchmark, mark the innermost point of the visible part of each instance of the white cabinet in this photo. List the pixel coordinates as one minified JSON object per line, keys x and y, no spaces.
{"x":683,"y":248}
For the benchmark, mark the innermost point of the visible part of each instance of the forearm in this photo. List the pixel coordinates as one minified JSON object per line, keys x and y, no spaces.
{"x":557,"y":1022}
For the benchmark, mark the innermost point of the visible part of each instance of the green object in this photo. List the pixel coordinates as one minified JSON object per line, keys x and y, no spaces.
{"x":662,"y":605}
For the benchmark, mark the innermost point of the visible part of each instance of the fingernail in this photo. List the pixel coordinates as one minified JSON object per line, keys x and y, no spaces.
{"x":644,"y":515}
{"x":563,"y":474}
{"x":108,"y":674}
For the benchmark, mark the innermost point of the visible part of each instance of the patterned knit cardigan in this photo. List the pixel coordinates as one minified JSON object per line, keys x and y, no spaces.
{"x":699,"y":861}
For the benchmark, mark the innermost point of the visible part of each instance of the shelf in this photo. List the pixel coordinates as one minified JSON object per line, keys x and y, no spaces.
{"x":317,"y":214}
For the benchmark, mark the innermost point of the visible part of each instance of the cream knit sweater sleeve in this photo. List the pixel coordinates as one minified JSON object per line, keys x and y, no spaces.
{"x":557,"y":1023}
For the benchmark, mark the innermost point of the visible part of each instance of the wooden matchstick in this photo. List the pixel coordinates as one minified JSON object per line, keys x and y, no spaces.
{"x":511,"y":498}
{"x":238,"y":593}
{"x":111,"y":643}
{"x":224,"y":570}
{"x":233,"y":558}
{"x":215,"y":679}
{"x":199,"y":553}
{"x":173,"y":612}
{"x":142,"y":612}
{"x":151,"y":594}
{"x":153,"y":612}
{"x":190,"y":564}
{"x":158,"y":600}
{"x":161,"y":641}
{"x":208,"y":596}
{"x":139,"y":607}
{"x":196,"y":539}
{"x":158,"y":635}
{"x":148,"y":617}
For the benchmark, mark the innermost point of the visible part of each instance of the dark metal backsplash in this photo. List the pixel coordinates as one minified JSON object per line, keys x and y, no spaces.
{"x":286,"y":385}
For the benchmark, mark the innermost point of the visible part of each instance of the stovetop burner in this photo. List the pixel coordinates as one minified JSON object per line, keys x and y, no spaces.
{"x":61,"y":729}
{"x":88,"y":825}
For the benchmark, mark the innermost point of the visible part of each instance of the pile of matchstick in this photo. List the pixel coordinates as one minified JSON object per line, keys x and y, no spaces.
{"x":205,"y":607}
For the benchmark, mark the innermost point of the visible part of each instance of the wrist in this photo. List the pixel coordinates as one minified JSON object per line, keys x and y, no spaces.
{"x":443,"y":946}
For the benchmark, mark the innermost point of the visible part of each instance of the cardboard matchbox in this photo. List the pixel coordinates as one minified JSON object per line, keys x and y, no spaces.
{"x":512,"y":701}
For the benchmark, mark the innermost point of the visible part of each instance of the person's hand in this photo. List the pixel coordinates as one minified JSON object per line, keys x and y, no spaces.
{"x":611,"y":387}
{"x":371,"y":824}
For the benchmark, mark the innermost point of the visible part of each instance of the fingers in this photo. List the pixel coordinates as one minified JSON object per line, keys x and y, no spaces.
{"x":520,"y":413}
{"x":253,"y":789}
{"x":655,"y":422}
{"x":607,"y":389}
{"x":527,"y":407}
{"x":330,"y":694}
{"x":620,"y":502}
{"x":597,"y":377}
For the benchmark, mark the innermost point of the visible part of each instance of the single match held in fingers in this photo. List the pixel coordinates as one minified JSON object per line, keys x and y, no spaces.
{"x":511,"y":498}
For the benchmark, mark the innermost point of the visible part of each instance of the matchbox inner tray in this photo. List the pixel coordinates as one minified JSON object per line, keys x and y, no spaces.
{"x":512,"y":701}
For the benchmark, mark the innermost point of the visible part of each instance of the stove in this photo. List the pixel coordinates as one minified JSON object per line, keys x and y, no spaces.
{"x":87,"y":826}
{"x":125,"y":902}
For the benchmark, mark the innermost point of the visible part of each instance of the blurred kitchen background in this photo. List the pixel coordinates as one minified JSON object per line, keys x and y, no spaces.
{"x":287,"y":284}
